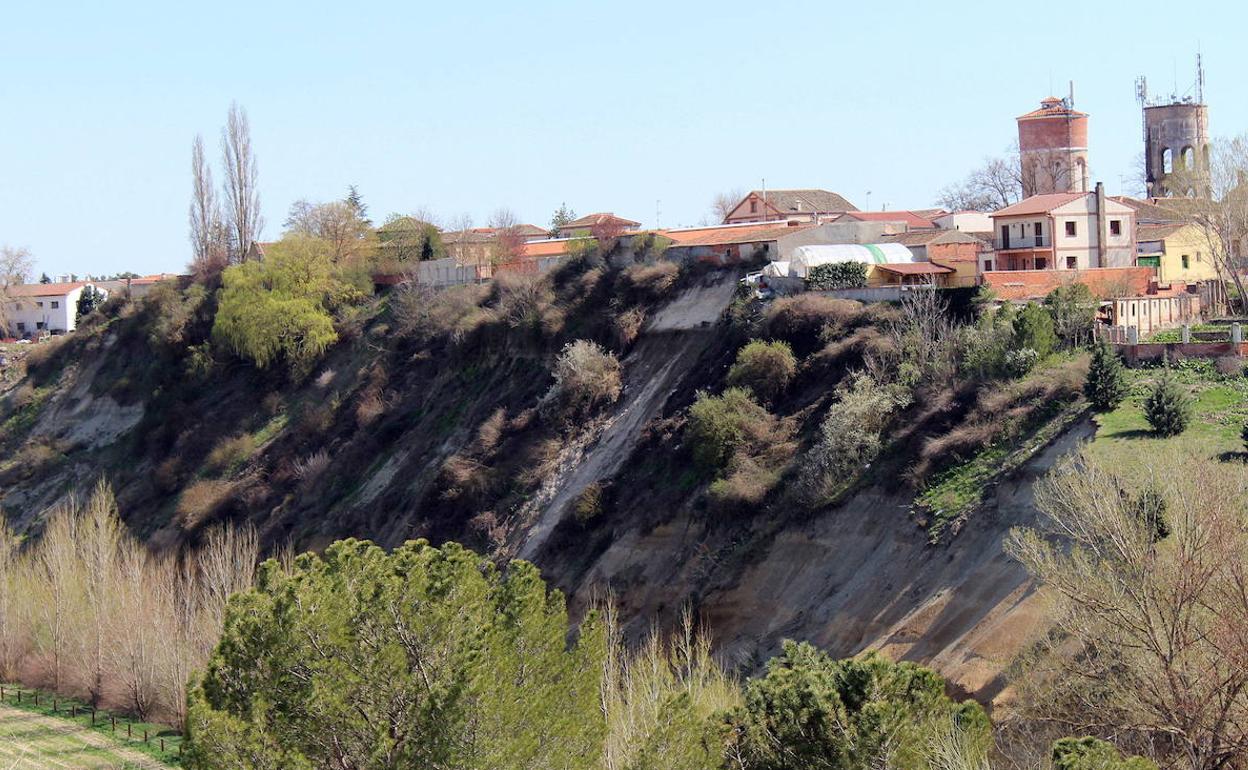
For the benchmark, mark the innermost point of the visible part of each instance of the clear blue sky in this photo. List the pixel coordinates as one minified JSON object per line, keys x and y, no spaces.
{"x":465,"y":107}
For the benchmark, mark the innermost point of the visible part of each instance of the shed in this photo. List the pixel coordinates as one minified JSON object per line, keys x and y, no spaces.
{"x":806,"y":257}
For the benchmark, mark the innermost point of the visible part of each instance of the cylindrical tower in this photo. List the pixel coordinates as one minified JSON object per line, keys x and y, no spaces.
{"x":1176,"y":141}
{"x":1053,"y":149}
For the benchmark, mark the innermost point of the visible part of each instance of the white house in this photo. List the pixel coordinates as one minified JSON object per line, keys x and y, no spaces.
{"x":35,"y":307}
{"x":1064,"y":231}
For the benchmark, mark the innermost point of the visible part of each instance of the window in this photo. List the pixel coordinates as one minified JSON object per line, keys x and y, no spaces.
{"x":1167,"y":161}
{"x":1071,"y":230}
{"x":39,"y":304}
{"x":1115,"y":227}
{"x":753,"y":206}
{"x":39,"y":325}
{"x":1186,"y":262}
{"x":1072,"y":263}
{"x":1039,"y":229}
{"x":987,"y":265}
{"x":21,"y":327}
{"x":1041,"y":263}
{"x":55,"y":304}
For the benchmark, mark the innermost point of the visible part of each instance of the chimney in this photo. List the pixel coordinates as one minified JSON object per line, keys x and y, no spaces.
{"x":1101,"y":232}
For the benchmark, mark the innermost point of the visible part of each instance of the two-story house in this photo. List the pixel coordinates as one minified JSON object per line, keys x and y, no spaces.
{"x":36,"y":307}
{"x":1063,"y":231}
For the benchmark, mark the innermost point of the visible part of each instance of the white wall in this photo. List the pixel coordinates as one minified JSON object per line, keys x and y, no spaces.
{"x":53,"y":313}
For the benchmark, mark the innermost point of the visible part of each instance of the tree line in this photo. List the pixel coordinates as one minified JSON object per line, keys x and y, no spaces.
{"x":88,"y":610}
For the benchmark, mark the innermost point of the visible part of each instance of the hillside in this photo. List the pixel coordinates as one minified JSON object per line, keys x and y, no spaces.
{"x":432,"y":417}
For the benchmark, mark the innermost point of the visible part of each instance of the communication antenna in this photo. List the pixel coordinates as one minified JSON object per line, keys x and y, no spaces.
{"x":1200,"y":80}
{"x":1070,"y":100}
{"x":658,"y":215}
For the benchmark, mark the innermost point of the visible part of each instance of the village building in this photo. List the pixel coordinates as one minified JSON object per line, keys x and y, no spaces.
{"x":788,"y":205}
{"x":957,"y":251}
{"x":1179,"y":253}
{"x":1063,"y":231}
{"x":911,"y":220}
{"x":965,"y":221}
{"x":134,"y":288}
{"x":605,"y":223}
{"x":37,"y":307}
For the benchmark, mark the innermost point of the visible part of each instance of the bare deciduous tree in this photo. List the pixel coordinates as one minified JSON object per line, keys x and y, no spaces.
{"x":337,"y":222}
{"x":209,"y":238}
{"x":1217,"y":203}
{"x":508,"y":240}
{"x":1148,"y":572}
{"x":242,"y":198}
{"x":723,"y":204}
{"x":15,"y":267}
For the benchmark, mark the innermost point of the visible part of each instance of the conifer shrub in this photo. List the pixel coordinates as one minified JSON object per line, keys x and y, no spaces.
{"x":1167,"y":408}
{"x":1106,"y":385}
{"x":1033,"y":328}
{"x":766,"y":368}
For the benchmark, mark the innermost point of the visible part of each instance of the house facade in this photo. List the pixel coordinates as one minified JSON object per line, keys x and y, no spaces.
{"x":788,"y":205}
{"x":1179,"y":253}
{"x":37,"y":307}
{"x":1063,"y":231}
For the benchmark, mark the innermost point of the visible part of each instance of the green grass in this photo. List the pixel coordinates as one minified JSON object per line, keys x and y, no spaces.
{"x":959,"y":490}
{"x":131,"y":739}
{"x":23,"y":418}
{"x":1220,"y":411}
{"x":1176,"y":335}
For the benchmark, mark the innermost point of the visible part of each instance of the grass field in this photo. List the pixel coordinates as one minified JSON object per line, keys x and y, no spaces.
{"x":1220,"y":410}
{"x":33,"y":741}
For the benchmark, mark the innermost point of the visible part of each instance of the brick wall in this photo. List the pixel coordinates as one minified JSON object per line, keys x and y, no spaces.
{"x":1036,"y":284}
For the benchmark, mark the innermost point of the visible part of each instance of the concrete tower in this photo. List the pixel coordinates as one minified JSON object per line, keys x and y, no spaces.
{"x":1176,"y":137}
{"x":1053,"y":148}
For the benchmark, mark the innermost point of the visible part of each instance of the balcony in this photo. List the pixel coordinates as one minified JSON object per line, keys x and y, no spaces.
{"x":1022,"y":244}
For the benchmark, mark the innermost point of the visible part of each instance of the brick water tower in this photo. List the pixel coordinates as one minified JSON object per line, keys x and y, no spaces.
{"x":1176,"y":139}
{"x":1053,"y":148}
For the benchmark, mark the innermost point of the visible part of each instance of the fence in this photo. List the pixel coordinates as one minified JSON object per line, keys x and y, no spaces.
{"x":167,"y":741}
{"x":1126,"y":341}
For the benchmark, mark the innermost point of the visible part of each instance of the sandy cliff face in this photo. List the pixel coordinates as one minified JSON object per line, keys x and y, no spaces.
{"x":860,"y":575}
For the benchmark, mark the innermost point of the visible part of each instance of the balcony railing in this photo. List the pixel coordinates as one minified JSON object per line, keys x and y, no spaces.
{"x":1033,"y":242}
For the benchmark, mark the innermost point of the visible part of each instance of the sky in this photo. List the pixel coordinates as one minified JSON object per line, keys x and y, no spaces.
{"x":647,"y":109}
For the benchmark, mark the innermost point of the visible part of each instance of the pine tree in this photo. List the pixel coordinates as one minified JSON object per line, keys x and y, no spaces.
{"x":563,"y":215}
{"x":1106,"y":385}
{"x":1168,"y":408}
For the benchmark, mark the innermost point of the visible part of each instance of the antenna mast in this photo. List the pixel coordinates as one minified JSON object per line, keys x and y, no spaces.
{"x":1200,"y":80}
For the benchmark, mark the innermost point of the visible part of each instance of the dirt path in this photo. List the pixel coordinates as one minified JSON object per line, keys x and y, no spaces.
{"x":669,"y":346}
{"x":31,"y":741}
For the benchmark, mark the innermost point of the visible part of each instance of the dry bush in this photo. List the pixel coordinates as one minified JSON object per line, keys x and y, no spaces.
{"x":22,"y":396}
{"x":626,"y":326}
{"x":308,"y":469}
{"x":488,"y":527}
{"x":588,"y":504}
{"x":463,"y":478}
{"x":490,"y":432}
{"x":324,"y":379}
{"x":801,"y":320}
{"x":1230,"y":366}
{"x":200,"y":500}
{"x":586,"y":378}
{"x":745,"y":487}
{"x":649,"y":283}
{"x":526,"y":302}
{"x":371,"y":405}
{"x":541,"y":462}
{"x":451,"y":314}
{"x":167,"y":475}
{"x":229,"y":453}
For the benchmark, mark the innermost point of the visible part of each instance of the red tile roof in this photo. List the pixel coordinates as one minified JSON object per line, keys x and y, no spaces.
{"x":1039,"y":204}
{"x":553,"y":248}
{"x":910,"y":218}
{"x":1102,"y":281}
{"x":733,"y":234}
{"x":1052,"y":107}
{"x":44,"y":289}
{"x":607,"y":217}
